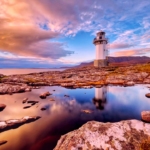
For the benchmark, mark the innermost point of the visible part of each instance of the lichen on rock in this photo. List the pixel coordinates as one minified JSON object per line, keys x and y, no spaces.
{"x":124,"y":135}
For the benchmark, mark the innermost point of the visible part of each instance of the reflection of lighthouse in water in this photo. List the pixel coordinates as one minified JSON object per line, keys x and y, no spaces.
{"x":100,"y":97}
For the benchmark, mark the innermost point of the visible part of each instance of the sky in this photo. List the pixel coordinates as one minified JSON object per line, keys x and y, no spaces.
{"x":58,"y":33}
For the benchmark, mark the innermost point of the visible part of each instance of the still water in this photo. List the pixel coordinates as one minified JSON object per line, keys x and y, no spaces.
{"x":107,"y":104}
{"x":25,"y":71}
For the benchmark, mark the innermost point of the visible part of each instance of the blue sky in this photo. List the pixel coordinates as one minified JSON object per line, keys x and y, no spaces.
{"x":50,"y":33}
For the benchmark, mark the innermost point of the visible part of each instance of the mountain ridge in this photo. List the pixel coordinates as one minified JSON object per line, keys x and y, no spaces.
{"x":123,"y":60}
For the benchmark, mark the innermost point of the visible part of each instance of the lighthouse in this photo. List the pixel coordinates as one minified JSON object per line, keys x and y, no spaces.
{"x":100,"y":43}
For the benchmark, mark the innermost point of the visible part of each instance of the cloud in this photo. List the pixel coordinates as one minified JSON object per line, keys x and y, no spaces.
{"x":23,"y":62}
{"x":119,"y":45}
{"x":29,"y":28}
{"x":21,"y":32}
{"x":132,"y":52}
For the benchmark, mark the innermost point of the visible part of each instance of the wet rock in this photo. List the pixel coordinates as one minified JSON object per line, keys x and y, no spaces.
{"x":148,"y":95}
{"x":44,"y":95}
{"x":145,"y":115}
{"x":24,"y":100}
{"x":130,"y":83}
{"x":43,"y":108}
{"x":32,"y":102}
{"x":3,"y":142}
{"x":70,"y":85}
{"x":87,"y":87}
{"x":26,"y":107}
{"x":14,"y":123}
{"x":124,"y":135}
{"x":28,"y":90}
{"x":2,"y":107}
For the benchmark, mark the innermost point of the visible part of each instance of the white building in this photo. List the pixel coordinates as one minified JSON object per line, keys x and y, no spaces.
{"x":100,"y":43}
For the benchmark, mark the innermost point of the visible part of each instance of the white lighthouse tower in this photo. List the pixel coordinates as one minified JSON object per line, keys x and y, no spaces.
{"x":100,"y":43}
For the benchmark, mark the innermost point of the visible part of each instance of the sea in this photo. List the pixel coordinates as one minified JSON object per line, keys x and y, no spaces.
{"x":26,"y":71}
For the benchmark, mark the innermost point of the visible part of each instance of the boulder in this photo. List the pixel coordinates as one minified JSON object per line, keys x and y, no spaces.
{"x":2,"y":107}
{"x":124,"y":135}
{"x":148,"y":95}
{"x":44,"y":95}
{"x":145,"y":115}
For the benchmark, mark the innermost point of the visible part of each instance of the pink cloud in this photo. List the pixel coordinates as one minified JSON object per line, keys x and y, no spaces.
{"x":131,"y":52}
{"x":119,"y":45}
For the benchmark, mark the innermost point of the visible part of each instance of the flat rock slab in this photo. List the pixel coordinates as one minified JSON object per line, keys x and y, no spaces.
{"x":124,"y":135}
{"x":14,"y":123}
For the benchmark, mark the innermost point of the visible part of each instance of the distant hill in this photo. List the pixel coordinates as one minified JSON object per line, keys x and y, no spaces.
{"x":122,"y":61}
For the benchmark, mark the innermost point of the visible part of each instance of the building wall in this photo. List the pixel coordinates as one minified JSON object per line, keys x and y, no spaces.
{"x":100,"y":53}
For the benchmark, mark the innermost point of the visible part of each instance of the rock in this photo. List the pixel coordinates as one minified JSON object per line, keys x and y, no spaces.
{"x":3,"y":142}
{"x":87,"y":87}
{"x":67,"y":85}
{"x":130,"y":83}
{"x":26,"y":107}
{"x":32,"y":102}
{"x":2,"y":107}
{"x":28,"y":90}
{"x":148,"y":95}
{"x":10,"y":88}
{"x":43,"y":108}
{"x":14,"y":123}
{"x":124,"y":135}
{"x":24,"y":100}
{"x":1,"y":75}
{"x":145,"y":115}
{"x":44,"y":95}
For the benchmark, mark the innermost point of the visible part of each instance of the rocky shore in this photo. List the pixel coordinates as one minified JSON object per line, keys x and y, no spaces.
{"x":82,"y":77}
{"x":124,"y":135}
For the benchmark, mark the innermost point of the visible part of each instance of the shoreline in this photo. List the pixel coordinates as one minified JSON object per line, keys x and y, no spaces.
{"x":83,"y":77}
